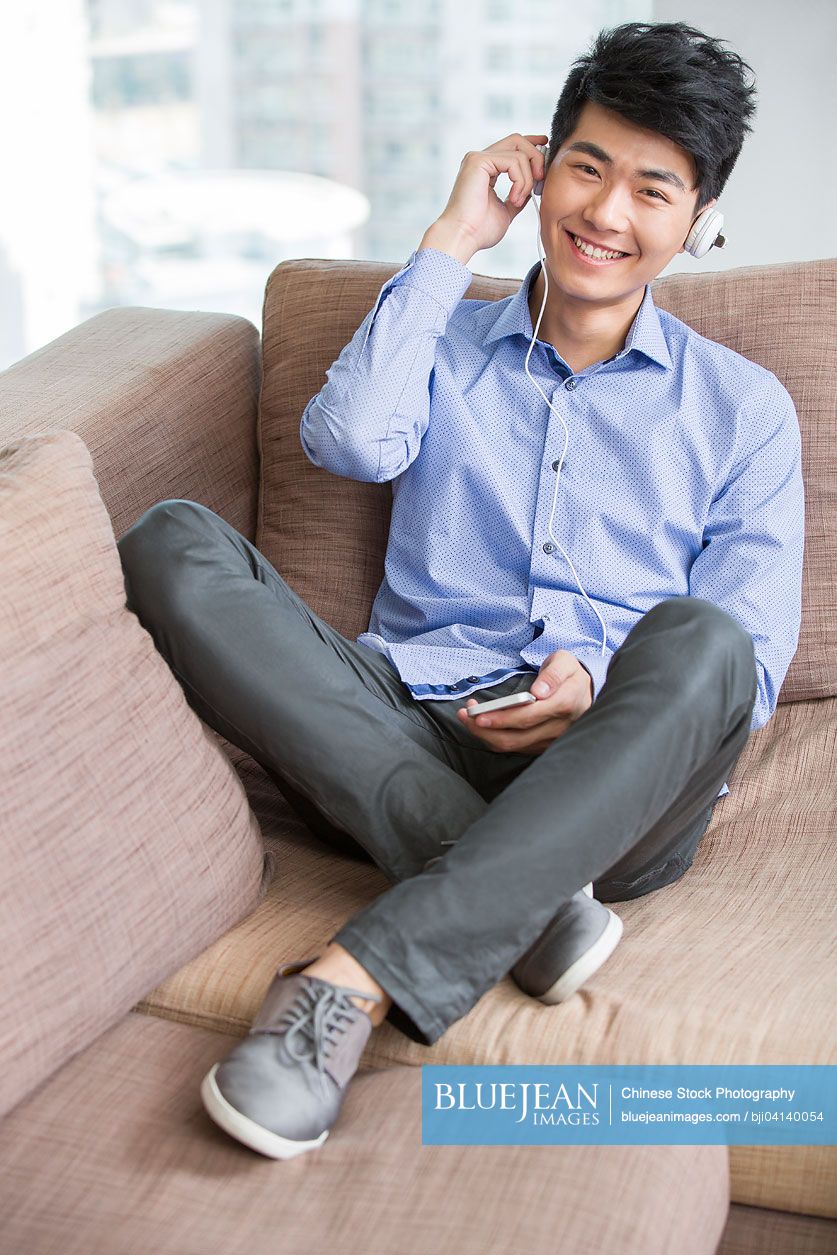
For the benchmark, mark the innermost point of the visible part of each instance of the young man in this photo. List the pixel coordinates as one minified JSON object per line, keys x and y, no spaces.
{"x":650,"y":580}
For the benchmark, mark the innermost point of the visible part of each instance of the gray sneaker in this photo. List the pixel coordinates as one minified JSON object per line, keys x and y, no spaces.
{"x":573,"y":946}
{"x":281,"y":1088}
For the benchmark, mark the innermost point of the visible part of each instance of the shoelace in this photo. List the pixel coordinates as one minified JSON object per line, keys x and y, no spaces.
{"x":313,"y":1018}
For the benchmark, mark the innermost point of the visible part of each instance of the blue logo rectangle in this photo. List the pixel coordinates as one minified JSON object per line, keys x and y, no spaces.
{"x":630,"y":1105}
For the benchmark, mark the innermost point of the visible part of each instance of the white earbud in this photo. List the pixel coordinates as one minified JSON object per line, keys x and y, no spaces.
{"x":537,"y":190}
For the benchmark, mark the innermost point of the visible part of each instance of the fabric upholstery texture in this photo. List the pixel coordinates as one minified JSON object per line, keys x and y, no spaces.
{"x":757,"y":1231}
{"x":756,"y":989}
{"x":747,"y":935}
{"x":165,"y":401}
{"x":758,"y":992}
{"x":327,"y":535}
{"x":128,"y":842}
{"x":115,"y":1154}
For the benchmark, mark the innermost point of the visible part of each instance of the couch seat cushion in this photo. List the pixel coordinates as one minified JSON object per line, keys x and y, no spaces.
{"x":757,"y":1231}
{"x":116,"y":1154}
{"x":734,"y":963}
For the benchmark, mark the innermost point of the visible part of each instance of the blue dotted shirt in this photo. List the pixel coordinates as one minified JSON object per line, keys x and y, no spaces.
{"x":682,"y":476}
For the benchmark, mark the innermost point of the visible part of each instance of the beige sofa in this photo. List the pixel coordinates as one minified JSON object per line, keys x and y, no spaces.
{"x":104,"y":1145}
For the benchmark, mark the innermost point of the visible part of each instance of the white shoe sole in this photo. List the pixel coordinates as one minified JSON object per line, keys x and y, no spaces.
{"x":584,"y":967}
{"x":245,"y":1129}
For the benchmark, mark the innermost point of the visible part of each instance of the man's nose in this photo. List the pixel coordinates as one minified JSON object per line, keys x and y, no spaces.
{"x":607,"y":211}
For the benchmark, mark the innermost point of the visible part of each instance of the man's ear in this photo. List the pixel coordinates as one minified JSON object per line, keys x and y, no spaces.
{"x":697,"y":214}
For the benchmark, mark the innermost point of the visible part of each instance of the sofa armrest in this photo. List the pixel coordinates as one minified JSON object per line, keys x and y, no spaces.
{"x":165,"y":401}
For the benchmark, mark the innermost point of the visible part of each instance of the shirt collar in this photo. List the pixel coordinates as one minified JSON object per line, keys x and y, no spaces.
{"x":645,"y":335}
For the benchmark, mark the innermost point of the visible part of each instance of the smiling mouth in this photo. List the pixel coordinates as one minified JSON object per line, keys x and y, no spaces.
{"x":594,"y":251}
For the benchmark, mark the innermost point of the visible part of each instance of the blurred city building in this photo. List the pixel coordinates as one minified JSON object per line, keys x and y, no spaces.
{"x":194,"y":144}
{"x":388,"y":95}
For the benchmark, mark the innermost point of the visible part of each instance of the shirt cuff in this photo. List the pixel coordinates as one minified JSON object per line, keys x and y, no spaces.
{"x":596,"y":666}
{"x":438,"y":275}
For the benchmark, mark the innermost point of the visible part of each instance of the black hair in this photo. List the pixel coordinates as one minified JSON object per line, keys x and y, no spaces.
{"x":672,"y":79}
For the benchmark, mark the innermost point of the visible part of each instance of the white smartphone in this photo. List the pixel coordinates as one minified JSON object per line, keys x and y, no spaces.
{"x":500,"y":703}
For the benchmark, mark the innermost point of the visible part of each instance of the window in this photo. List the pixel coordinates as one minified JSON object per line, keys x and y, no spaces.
{"x":374,"y":96}
{"x":500,"y":108}
{"x":498,"y":57}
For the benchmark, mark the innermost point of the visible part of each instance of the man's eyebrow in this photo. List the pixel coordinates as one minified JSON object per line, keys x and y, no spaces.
{"x":663,"y":176}
{"x":593,"y":150}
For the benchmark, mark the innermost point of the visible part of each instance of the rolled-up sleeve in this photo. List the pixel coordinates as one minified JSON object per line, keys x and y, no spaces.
{"x":368,"y":419}
{"x":751,"y":562}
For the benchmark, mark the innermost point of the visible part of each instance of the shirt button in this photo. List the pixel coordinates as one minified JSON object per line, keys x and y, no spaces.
{"x":570,"y":384}
{"x":472,"y":679}
{"x":548,"y":547}
{"x":545,"y":618}
{"x":557,"y":463}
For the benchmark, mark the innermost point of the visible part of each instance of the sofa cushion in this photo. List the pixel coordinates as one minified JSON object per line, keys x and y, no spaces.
{"x":126,"y":837}
{"x":757,"y":1231}
{"x":327,"y":535}
{"x":734,"y":963}
{"x":164,"y":399}
{"x":116,"y":1154}
{"x":785,"y":318}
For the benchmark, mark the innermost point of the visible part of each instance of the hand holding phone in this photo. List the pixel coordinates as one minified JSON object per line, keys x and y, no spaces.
{"x":501,"y":703}
{"x":475,"y":217}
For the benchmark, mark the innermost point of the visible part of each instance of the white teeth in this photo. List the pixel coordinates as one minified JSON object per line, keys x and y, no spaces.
{"x":602,"y":254}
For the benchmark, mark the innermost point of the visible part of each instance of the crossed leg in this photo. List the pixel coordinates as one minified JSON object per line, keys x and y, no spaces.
{"x":613,"y":800}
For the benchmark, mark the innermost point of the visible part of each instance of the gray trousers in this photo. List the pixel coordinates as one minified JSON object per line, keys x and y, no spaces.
{"x":481,"y":848}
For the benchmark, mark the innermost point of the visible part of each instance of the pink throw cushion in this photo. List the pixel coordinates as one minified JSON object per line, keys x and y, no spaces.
{"x":126,"y":838}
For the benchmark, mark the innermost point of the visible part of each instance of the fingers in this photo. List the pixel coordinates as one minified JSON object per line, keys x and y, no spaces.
{"x":519,"y":718}
{"x":518,"y":170}
{"x":477,"y":727}
{"x":561,"y":665}
{"x":519,"y":158}
{"x":510,"y":740}
{"x":516,"y":140}
{"x":473,"y":206}
{"x":561,"y":704}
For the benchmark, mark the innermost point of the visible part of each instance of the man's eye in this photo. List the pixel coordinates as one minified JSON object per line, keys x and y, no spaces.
{"x":657,"y":195}
{"x":588,"y":169}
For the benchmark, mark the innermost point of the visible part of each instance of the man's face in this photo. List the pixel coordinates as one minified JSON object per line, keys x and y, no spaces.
{"x":614,"y":186}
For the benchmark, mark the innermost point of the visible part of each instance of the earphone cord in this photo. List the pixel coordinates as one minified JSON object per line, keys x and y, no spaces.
{"x":566,"y":430}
